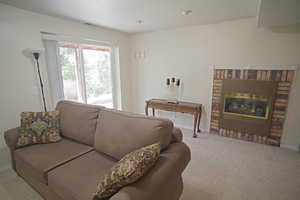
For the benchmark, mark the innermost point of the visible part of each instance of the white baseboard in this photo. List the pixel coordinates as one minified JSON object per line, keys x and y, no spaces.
{"x":189,"y":127}
{"x":4,"y":169}
{"x":285,"y":146}
{"x":184,"y":126}
{"x":290,"y":146}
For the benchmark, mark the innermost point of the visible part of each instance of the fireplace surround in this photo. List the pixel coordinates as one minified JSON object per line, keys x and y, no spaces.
{"x":250,"y":104}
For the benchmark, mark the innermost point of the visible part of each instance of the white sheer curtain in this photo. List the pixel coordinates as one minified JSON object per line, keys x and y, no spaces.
{"x":54,"y":72}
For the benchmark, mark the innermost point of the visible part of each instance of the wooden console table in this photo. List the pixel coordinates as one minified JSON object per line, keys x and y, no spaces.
{"x":183,"y":107}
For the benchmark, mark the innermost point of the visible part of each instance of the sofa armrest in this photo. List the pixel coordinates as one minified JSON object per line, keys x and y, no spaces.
{"x":176,"y":135}
{"x":154,"y":185}
{"x":11,"y":138}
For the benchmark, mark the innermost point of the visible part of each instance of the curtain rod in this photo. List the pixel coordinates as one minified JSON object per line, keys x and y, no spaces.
{"x":74,"y":37}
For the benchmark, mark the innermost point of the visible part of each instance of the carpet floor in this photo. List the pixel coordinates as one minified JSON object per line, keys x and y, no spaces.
{"x":228,"y":169}
{"x":221,"y":169}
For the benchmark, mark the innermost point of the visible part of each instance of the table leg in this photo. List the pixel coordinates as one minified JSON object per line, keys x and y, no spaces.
{"x":146,"y":109}
{"x":199,"y":120}
{"x":153,"y":112}
{"x":195,"y":124}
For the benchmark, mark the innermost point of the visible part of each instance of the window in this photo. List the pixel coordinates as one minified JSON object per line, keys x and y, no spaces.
{"x":86,"y":73}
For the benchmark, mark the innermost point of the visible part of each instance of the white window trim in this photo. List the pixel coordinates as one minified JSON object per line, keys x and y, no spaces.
{"x":115,"y":65}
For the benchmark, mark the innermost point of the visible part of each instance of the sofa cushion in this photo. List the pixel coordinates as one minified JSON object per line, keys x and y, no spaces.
{"x":38,"y":128}
{"x":128,"y":170}
{"x":119,"y":133}
{"x":78,"y":179}
{"x":78,"y":121}
{"x":40,"y":159}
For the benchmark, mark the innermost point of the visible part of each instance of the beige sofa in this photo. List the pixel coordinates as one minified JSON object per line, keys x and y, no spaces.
{"x":94,"y":139}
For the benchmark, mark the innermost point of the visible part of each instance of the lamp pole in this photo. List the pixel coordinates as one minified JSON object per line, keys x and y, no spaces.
{"x":36,"y":57}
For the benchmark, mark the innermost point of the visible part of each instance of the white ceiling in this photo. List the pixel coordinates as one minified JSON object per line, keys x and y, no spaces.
{"x":278,"y":13}
{"x":156,"y":14}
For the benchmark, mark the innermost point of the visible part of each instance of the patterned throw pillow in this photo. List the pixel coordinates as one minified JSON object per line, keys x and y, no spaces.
{"x":38,"y":128}
{"x":128,"y":170}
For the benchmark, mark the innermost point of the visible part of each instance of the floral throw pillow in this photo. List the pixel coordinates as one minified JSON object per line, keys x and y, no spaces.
{"x":38,"y":128}
{"x":128,"y":170}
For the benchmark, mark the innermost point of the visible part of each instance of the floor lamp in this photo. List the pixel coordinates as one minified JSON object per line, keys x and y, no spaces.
{"x":36,"y":55}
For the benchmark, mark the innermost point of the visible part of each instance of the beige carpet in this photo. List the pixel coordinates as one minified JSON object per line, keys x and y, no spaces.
{"x":228,"y":169}
{"x":221,"y":169}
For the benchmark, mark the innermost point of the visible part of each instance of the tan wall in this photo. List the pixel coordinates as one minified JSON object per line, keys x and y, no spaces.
{"x":19,"y":30}
{"x":189,"y":53}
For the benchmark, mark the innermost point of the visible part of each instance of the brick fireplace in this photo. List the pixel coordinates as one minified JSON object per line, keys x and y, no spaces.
{"x":250,"y":104}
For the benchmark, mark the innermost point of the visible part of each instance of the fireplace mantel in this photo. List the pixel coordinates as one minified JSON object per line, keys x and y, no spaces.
{"x":257,"y":67}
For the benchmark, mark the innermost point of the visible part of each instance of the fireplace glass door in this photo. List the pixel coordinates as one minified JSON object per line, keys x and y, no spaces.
{"x":246,"y":105}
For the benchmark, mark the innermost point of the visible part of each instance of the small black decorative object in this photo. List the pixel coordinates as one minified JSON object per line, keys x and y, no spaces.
{"x":178,"y":82}
{"x":36,"y":56}
{"x":173,"y":82}
{"x":168,"y":82}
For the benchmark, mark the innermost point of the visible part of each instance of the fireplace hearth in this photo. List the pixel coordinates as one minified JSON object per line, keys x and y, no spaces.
{"x":250,"y":104}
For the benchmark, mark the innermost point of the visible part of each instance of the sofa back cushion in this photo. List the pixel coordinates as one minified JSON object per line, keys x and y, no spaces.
{"x":78,"y":121}
{"x":119,"y":133}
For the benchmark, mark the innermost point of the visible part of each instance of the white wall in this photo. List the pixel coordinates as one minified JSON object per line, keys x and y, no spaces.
{"x":19,"y":30}
{"x":186,"y":53}
{"x":190,"y":52}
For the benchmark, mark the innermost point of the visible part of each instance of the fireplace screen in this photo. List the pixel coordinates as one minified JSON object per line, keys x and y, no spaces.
{"x":246,"y":105}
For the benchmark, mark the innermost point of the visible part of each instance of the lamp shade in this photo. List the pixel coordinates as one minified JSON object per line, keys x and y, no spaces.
{"x":32,"y":53}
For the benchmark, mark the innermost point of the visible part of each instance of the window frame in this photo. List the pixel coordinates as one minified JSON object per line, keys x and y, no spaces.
{"x":80,"y":71}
